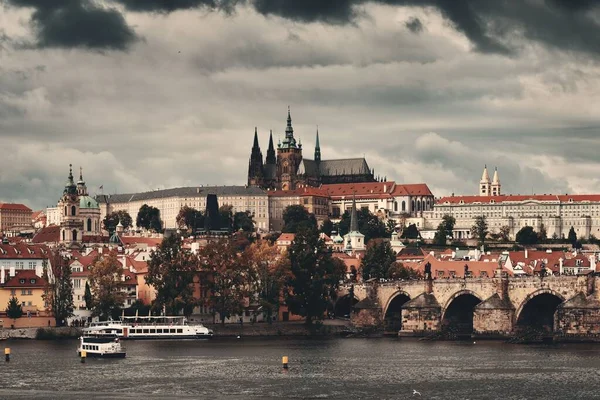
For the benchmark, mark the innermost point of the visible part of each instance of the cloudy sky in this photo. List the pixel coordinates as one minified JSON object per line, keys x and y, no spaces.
{"x":147,"y":94}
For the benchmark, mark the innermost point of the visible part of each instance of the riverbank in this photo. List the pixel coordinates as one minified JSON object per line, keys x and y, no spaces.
{"x":52,"y":333}
{"x":287,"y":329}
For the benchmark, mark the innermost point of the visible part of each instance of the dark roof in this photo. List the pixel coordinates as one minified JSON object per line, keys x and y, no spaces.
{"x":49,"y":234}
{"x":347,"y":166}
{"x":182,"y":192}
{"x":26,"y":276}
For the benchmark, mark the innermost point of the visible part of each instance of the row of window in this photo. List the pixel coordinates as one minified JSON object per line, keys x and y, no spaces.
{"x":24,"y":292}
{"x":156,"y":330}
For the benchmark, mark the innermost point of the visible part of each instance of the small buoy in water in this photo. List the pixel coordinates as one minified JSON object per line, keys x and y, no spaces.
{"x":474,"y":342}
{"x":239,"y":337}
{"x":7,"y":354}
{"x":83,"y":356}
{"x":284,"y":361}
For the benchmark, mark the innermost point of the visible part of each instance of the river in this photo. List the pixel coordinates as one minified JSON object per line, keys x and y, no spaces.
{"x":319,"y":369}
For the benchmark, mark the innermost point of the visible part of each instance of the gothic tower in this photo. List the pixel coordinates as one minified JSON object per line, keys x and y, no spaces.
{"x":318,"y":148}
{"x":255,"y":165}
{"x":289,"y":156}
{"x":71,"y":226}
{"x":496,"y":184}
{"x":485,"y":183}
{"x":81,"y":188}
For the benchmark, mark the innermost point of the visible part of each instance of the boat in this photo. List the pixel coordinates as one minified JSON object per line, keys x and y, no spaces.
{"x":100,"y":346}
{"x":151,"y":327}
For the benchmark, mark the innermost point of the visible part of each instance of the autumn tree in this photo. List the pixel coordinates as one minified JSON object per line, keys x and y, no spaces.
{"x":105,"y":280}
{"x":228,"y":280}
{"x":377,"y":260}
{"x":314,"y":276}
{"x":14,"y":309}
{"x":59,"y":290}
{"x":479,"y":230}
{"x":149,"y":218}
{"x":189,"y":218}
{"x":112,"y":220}
{"x":171,"y":271}
{"x":269,"y":271}
{"x":296,"y":217}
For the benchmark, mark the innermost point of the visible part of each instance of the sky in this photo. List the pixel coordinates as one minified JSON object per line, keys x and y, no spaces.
{"x":152,"y":94}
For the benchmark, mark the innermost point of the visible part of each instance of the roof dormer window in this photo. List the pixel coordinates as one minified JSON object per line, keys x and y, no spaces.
{"x":22,"y":281}
{"x":32,"y":281}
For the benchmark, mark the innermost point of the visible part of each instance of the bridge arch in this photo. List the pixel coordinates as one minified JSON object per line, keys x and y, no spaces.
{"x":343,"y":305}
{"x":538,"y":309}
{"x":392,"y":312}
{"x":457,"y":314}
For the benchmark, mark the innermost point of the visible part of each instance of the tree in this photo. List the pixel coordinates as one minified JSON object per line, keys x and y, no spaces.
{"x":105,"y":282}
{"x":327,"y":227}
{"x":444,"y":230}
{"x":542,"y":234}
{"x":149,"y":218}
{"x":243,"y":221}
{"x":479,"y":230}
{"x":390,"y":227}
{"x":368,"y":224}
{"x":572,"y":238}
{"x":296,"y":217}
{"x":87,"y":296}
{"x":189,"y":218}
{"x":314,"y":275}
{"x":398,"y":271}
{"x":228,"y":280}
{"x":504,"y":233}
{"x":269,"y":270}
{"x":14,"y":309}
{"x":112,"y":220}
{"x":527,"y":236}
{"x":226,"y":214}
{"x":410,"y":232}
{"x":59,"y":292}
{"x":171,"y":271}
{"x":377,"y":260}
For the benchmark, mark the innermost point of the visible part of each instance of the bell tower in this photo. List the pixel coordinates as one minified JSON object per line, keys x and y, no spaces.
{"x":485,"y":185}
{"x":289,"y":156}
{"x":71,"y":226}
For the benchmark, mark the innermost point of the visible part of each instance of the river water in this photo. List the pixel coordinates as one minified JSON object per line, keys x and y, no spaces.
{"x":319,"y":369}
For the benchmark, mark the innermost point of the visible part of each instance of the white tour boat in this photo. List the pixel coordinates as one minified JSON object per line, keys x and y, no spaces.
{"x":103,"y":347}
{"x":151,"y":327}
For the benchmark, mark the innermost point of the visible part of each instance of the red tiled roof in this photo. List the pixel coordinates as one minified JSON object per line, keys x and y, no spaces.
{"x":133,"y":240}
{"x":457,"y":267}
{"x":286,"y":237}
{"x":303,"y":191}
{"x":363,"y":189}
{"x":26,"y":276}
{"x":49,"y":234}
{"x":14,"y":207}
{"x":413,"y":189}
{"x":24,"y":250}
{"x":94,"y":239}
{"x":520,"y":198}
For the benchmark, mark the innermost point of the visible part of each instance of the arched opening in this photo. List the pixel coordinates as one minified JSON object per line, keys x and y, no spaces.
{"x":403,"y":205}
{"x":73,"y":210}
{"x":74,"y":235}
{"x":343,"y":307}
{"x":458,"y":318}
{"x":412,"y":203}
{"x":392,"y":321}
{"x":63,"y":235}
{"x":66,"y":211}
{"x":89,"y":225}
{"x":395,"y":206}
{"x":537,"y":313}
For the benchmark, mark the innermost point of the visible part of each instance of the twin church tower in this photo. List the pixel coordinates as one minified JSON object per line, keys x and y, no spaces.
{"x":288,"y":169}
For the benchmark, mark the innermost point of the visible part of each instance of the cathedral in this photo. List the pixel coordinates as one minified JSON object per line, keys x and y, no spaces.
{"x":288,"y":169}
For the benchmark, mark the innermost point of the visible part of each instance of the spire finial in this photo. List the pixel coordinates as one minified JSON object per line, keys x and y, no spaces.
{"x":81,"y":173}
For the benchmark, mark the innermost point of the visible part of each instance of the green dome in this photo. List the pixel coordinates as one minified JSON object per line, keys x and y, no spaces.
{"x":88,"y":202}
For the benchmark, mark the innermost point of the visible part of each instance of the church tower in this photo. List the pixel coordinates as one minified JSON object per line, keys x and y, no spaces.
{"x":289,"y":156}
{"x":71,"y":226}
{"x":485,"y":184}
{"x":317,"y":148}
{"x":81,"y":188}
{"x":255,"y":165}
{"x":496,"y":184}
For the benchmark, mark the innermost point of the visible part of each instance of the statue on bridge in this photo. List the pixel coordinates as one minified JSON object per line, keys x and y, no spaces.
{"x":428,"y":271}
{"x":466,"y":271}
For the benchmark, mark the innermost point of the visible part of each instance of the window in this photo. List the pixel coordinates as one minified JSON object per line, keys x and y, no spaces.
{"x":77,"y":283}
{"x":20,"y":265}
{"x":32,"y":264}
{"x":22,"y":281}
{"x":179,"y":330}
{"x":29,"y":292}
{"x":74,"y":235}
{"x":32,"y":281}
{"x":89,"y":225}
{"x":23,"y":292}
{"x":13,"y":292}
{"x":73,"y":210}
{"x":403,"y":205}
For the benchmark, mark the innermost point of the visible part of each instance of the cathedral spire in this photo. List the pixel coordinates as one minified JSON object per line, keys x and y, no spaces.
{"x":70,"y":187}
{"x":485,"y":177}
{"x":255,"y":145}
{"x":271,"y":151}
{"x":317,"y":147}
{"x":496,"y":179}
{"x":289,"y":131}
{"x":353,"y":217}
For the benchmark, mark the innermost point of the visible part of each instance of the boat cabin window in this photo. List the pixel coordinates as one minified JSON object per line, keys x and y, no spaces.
{"x":152,"y":330}
{"x":145,"y":330}
{"x":159,"y":331}
{"x":179,"y":330}
{"x":172,"y":330}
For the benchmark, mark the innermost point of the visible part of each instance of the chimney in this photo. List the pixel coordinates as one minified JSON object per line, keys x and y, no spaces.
{"x":384,"y":188}
{"x":593,"y":263}
{"x":2,"y":275}
{"x":12,"y":272}
{"x":526,"y":253}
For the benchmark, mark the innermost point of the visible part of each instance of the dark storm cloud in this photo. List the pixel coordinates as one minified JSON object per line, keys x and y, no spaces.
{"x":169,"y":5}
{"x":414,"y":25}
{"x":77,"y":23}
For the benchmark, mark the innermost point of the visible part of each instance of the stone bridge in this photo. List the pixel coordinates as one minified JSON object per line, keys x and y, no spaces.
{"x":488,"y":307}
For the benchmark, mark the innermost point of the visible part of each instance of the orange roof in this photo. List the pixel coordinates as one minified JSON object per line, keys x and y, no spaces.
{"x":24,"y":250}
{"x":14,"y":207}
{"x":286,"y":237}
{"x":361,"y":189}
{"x":520,"y":198}
{"x":49,"y":234}
{"x":446,"y":269}
{"x":550,"y":259}
{"x":303,"y":191}
{"x":133,"y":240}
{"x":413,"y":189}
{"x":24,"y":279}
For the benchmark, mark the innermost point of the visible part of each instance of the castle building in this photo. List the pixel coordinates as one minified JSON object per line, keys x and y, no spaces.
{"x":288,"y":169}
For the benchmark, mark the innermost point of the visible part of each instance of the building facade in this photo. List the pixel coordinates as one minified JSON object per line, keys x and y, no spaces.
{"x":315,"y":200}
{"x":170,"y":202}
{"x":288,"y":169}
{"x":14,"y":216}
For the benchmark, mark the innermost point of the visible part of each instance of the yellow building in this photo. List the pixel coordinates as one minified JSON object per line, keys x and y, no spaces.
{"x":28,"y":288}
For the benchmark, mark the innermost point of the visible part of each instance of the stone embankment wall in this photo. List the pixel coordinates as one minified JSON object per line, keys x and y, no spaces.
{"x":31,"y":333}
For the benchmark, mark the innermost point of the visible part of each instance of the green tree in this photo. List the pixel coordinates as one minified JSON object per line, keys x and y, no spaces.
{"x":112,"y":220}
{"x":377,"y":260}
{"x":314,"y":275}
{"x":149,"y":218}
{"x":87,"y":296}
{"x":243,"y":221}
{"x":230,"y":278}
{"x":504,"y":233}
{"x":542,"y":234}
{"x":14,"y":309}
{"x":327,"y":227}
{"x":444,"y":230}
{"x":572,"y":238}
{"x":171,"y":271}
{"x":398,"y":271}
{"x":60,"y":290}
{"x":296,"y":217}
{"x":410,"y":232}
{"x":527,"y":236}
{"x":368,"y":224}
{"x":226,"y":214}
{"x":105,"y":281}
{"x":189,"y":218}
{"x":479,"y":230}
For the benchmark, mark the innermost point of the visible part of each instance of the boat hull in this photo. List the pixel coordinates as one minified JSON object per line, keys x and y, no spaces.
{"x":105,"y":355}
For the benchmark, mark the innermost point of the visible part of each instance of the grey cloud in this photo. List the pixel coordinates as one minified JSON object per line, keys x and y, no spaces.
{"x":77,"y":23}
{"x":414,"y":25}
{"x":168,"y":5}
